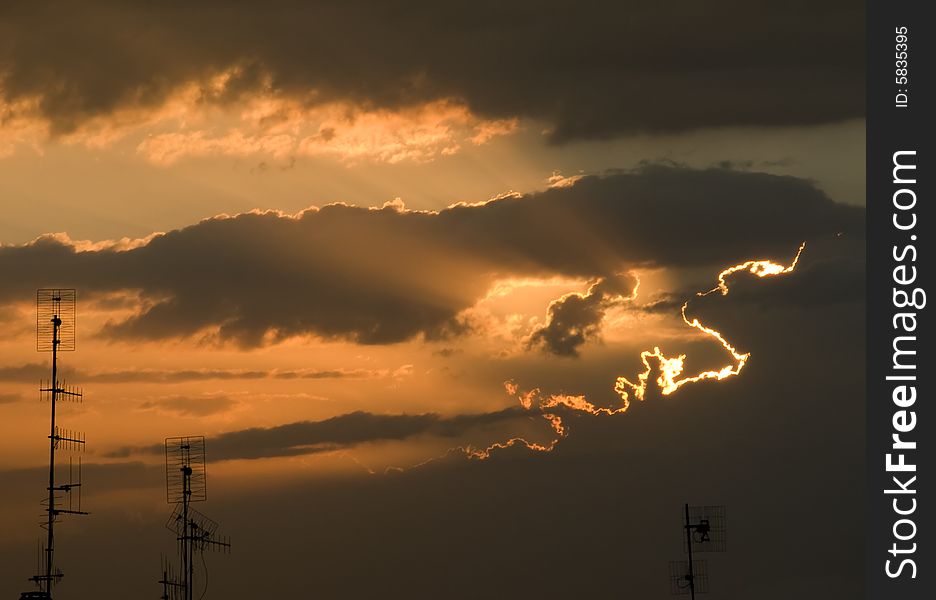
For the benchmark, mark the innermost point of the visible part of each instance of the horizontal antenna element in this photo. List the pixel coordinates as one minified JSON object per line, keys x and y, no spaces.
{"x":65,"y":439}
{"x":62,"y":392}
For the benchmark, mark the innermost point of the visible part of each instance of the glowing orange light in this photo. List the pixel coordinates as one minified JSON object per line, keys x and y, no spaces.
{"x":672,"y":368}
{"x":669,"y":380}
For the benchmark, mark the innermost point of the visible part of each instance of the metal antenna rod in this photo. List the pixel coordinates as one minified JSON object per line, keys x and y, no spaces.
{"x":689,"y":546}
{"x":55,"y":333}
{"x":56,"y":323}
{"x":195,"y":533}
{"x":704,"y":528}
{"x":187,"y":559}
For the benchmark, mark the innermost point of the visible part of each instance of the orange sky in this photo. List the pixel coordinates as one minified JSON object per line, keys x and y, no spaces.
{"x":448,"y":376}
{"x":357,"y":245}
{"x":138,"y":391}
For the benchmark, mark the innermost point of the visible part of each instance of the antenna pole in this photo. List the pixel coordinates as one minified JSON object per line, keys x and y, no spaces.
{"x":689,"y":546}
{"x":56,"y":323}
{"x":705,"y":532}
{"x":55,"y":333}
{"x":195,"y":533}
{"x":187,"y":562}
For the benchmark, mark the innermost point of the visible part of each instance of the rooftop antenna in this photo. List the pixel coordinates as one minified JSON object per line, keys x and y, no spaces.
{"x":172,"y":586}
{"x":186,"y":482}
{"x":55,"y":332}
{"x":705,"y":531}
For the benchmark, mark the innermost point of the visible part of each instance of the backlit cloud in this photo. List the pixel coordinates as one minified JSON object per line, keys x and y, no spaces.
{"x":575,"y":318}
{"x":388,"y":275}
{"x":265,"y":126}
{"x":283,"y":129}
{"x":585,"y":77}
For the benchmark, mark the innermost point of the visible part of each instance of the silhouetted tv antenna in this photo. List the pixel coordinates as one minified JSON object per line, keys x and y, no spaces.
{"x":705,"y":532}
{"x":186,"y":482}
{"x":172,"y":585}
{"x":55,"y":332}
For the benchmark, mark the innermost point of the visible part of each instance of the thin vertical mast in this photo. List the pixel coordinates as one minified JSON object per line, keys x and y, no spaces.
{"x":195,"y":533}
{"x":705,"y":531}
{"x":55,"y":333}
{"x":56,"y":323}
{"x":689,"y":546}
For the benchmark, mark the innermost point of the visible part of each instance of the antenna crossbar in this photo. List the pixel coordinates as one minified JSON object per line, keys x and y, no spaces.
{"x":60,"y":391}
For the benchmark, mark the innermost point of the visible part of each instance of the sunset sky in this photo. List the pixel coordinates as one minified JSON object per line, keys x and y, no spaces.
{"x":392,"y":262}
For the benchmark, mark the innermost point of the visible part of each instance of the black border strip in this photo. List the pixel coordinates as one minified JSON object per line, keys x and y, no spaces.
{"x":898,"y":129}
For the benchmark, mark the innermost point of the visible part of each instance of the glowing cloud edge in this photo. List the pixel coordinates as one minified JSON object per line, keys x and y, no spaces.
{"x":668,"y":380}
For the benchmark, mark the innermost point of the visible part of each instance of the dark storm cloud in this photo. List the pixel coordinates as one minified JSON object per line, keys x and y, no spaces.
{"x":591,"y":70}
{"x":343,"y":431}
{"x":576,"y":318}
{"x":384,"y":276}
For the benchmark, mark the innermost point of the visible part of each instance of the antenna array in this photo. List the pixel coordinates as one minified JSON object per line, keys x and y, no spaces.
{"x":705,"y":531}
{"x":686,"y":580}
{"x":186,"y":482}
{"x":172,"y":586}
{"x":55,"y":320}
{"x":186,"y":475}
{"x":55,"y":332}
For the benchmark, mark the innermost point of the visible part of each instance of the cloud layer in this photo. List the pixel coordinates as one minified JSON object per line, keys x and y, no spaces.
{"x":384,"y":276}
{"x":575,"y":318}
{"x":594,"y":70}
{"x":32,"y":372}
{"x":335,"y":433}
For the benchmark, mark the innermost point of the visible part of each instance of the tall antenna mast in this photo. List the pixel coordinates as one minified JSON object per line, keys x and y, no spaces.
{"x":55,"y":332}
{"x":186,"y":482}
{"x":705,"y":531}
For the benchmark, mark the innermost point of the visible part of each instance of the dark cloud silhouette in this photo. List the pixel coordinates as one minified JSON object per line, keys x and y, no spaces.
{"x":188,"y":406}
{"x":383,"y":276}
{"x":9,"y":398}
{"x":343,"y":431}
{"x":575,"y":318}
{"x":823,"y":281}
{"x":824,"y":276}
{"x":591,"y":70}
{"x":32,"y":372}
